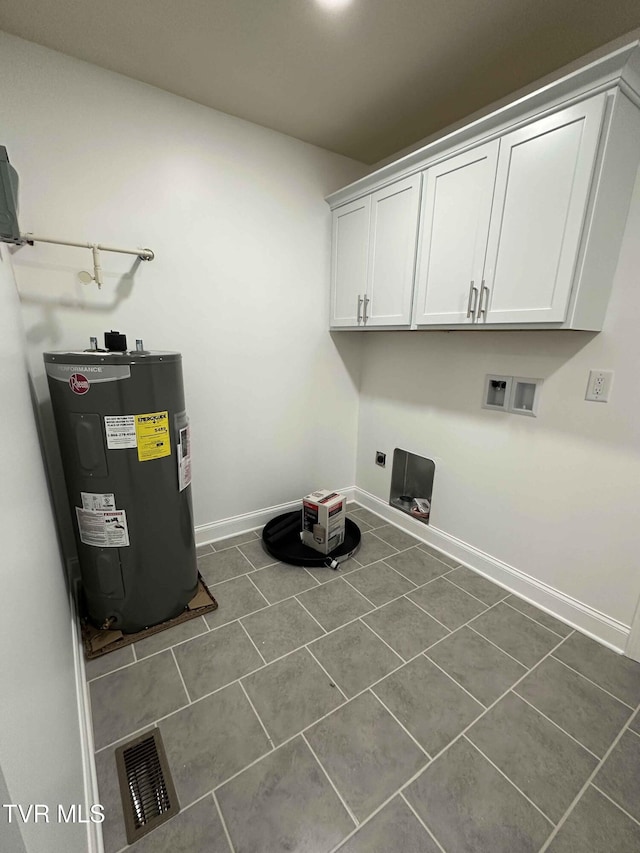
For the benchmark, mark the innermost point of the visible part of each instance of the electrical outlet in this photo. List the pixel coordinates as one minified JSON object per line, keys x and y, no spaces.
{"x":381,"y":458}
{"x":599,"y":385}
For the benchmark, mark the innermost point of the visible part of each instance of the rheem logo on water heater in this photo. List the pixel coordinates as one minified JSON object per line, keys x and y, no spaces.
{"x":78,"y":383}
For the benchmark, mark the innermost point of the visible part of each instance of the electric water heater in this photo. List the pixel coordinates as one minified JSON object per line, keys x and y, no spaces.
{"x":124,"y":439}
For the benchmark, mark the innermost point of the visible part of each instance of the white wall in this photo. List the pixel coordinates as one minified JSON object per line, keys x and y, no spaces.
{"x":39,"y":729}
{"x":236,"y":216}
{"x":555,"y":497}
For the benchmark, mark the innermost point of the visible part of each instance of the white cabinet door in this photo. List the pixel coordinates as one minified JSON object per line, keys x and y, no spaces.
{"x":349,"y":246}
{"x":456,"y":208}
{"x":542,"y":189}
{"x":392,"y":250}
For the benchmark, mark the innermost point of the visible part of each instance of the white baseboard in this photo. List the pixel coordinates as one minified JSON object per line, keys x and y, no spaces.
{"x":226,"y":527}
{"x":91,"y":795}
{"x":587,"y":619}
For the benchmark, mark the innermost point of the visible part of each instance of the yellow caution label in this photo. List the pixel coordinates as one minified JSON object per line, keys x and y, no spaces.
{"x":152,"y":434}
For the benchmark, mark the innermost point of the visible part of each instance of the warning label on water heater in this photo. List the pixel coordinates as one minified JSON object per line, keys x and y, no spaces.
{"x":120,"y":431}
{"x":152,"y":433}
{"x":103,"y":529}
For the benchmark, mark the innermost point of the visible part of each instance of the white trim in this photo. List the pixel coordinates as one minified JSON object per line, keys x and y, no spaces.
{"x":632,"y":649}
{"x":575,"y":613}
{"x":215,"y":530}
{"x":95,"y":843}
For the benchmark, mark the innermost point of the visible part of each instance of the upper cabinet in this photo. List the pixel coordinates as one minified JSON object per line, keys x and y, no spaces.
{"x":373,"y":258}
{"x":456,"y":209}
{"x":514,"y":222}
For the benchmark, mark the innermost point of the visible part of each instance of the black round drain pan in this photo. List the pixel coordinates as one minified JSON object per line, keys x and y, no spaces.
{"x":281,"y":539}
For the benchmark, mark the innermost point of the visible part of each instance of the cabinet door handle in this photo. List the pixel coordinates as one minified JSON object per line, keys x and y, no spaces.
{"x":359,"y":308}
{"x":364,"y":311}
{"x":484,"y":300}
{"x":473,"y":299}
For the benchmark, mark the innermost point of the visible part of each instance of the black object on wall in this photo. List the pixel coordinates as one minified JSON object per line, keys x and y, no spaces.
{"x":9,"y":228}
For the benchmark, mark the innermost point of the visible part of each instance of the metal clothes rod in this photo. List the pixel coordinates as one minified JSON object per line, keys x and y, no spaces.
{"x":143,"y":254}
{"x":96,"y":248}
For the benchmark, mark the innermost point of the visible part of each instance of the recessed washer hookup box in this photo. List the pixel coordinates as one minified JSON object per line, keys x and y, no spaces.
{"x":323,"y":519}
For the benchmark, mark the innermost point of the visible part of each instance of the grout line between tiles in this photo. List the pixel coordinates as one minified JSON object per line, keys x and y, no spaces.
{"x":451,"y":678}
{"x":421,"y":822}
{"x":382,"y":640}
{"x":310,"y":614}
{"x":442,"y":625}
{"x":312,"y":576}
{"x":374,"y":606}
{"x":223,"y":822}
{"x":595,"y":683}
{"x":500,"y":649}
{"x":574,"y":739}
{"x":631,"y":731}
{"x":526,"y":615}
{"x":262,"y":595}
{"x":330,"y":780}
{"x":255,"y":711}
{"x":617,"y":805}
{"x":402,"y":725}
{"x":582,"y":790}
{"x":175,"y":660}
{"x":135,"y":656}
{"x":331,"y":679}
{"x":262,"y":657}
{"x":509,"y":780}
{"x":446,"y":577}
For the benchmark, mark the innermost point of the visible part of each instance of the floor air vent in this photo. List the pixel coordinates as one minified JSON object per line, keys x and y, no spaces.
{"x":147,"y":790}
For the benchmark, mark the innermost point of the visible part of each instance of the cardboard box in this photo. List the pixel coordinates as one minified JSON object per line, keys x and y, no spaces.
{"x":323,"y":519}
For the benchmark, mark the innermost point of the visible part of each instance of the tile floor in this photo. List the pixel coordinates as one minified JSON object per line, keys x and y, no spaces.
{"x":404,"y":704}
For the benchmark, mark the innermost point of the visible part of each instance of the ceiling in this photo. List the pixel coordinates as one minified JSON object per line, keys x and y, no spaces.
{"x":364,"y":81}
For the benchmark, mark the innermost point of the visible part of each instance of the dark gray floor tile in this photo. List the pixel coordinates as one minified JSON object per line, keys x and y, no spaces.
{"x":479,"y":667}
{"x":540,"y":616}
{"x":235,"y":598}
{"x":471,"y":808}
{"x":256,"y":554}
{"x":362,"y":524}
{"x":215,"y":659}
{"x":131,"y":698}
{"x":218,"y":567}
{"x":447,"y":603}
{"x":427,"y":703}
{"x":335,"y":603}
{"x":543,"y":762}
{"x":169,"y":637}
{"x":516,"y":634}
{"x":209,"y":741}
{"x":579,"y":707}
{"x":370,"y":517}
{"x":201,"y":550}
{"x":473,"y":583}
{"x":197,"y":829}
{"x":284,"y":802}
{"x":613,"y":672}
{"x":113,"y":829}
{"x":109,"y":662}
{"x":417,"y":566}
{"x":405,"y":627}
{"x":634,"y":725}
{"x":234,"y":541}
{"x":448,"y":561}
{"x":379,"y":583}
{"x":281,"y":628}
{"x":282,"y":581}
{"x":396,"y":537}
{"x":354,"y":657}
{"x":365,"y":752}
{"x":394,"y":828}
{"x":290,"y":694}
{"x":596,"y":826}
{"x":619,"y":776}
{"x":372,"y":549}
